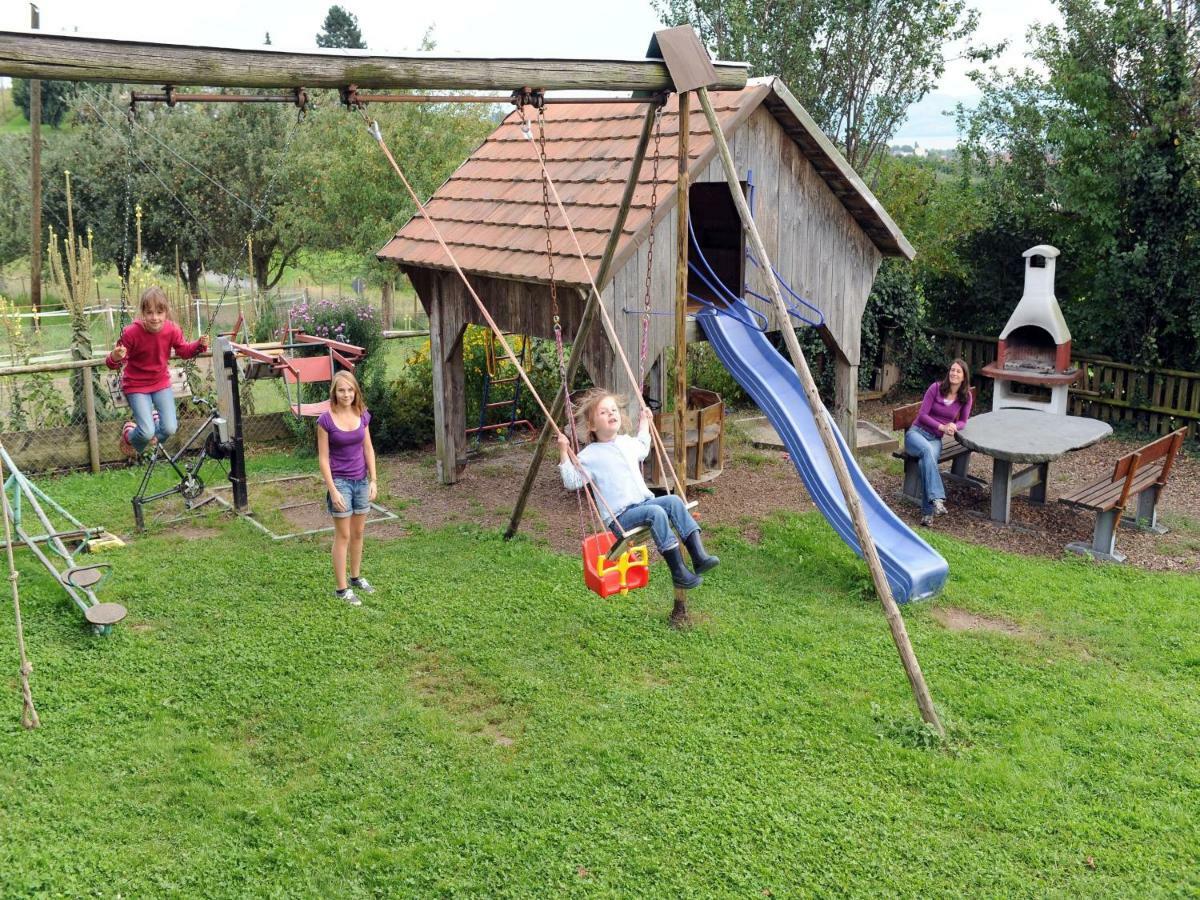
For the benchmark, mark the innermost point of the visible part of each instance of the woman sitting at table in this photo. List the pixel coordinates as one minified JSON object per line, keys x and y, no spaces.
{"x":944,"y":411}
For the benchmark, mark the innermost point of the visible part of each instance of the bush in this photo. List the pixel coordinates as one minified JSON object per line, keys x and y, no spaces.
{"x":402,"y":407}
{"x":705,"y":370}
{"x":348,"y":321}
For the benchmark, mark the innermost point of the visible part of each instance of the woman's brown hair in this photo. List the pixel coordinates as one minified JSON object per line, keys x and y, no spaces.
{"x":344,"y":375}
{"x":964,"y":389}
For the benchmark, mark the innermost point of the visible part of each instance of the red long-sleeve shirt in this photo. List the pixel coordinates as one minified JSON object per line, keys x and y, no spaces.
{"x":147,"y":354}
{"x":935,"y":412}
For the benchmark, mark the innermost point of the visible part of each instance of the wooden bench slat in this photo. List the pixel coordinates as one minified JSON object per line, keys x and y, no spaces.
{"x":1102,"y":498}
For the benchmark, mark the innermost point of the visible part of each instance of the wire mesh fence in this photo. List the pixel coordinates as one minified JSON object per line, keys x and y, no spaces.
{"x":60,"y":412}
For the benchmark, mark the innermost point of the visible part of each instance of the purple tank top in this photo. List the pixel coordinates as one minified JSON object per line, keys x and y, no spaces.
{"x":346,"y":457}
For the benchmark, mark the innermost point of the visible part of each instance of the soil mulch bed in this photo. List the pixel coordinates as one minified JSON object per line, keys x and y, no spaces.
{"x":1046,"y":530}
{"x":758,"y":483}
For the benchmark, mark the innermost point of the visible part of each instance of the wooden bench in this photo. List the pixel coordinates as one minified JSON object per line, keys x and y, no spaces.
{"x":1141,"y":474}
{"x":953,"y":452}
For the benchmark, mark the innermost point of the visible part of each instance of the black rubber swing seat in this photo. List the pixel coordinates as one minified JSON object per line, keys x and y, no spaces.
{"x":84,"y":577}
{"x":105,"y":614}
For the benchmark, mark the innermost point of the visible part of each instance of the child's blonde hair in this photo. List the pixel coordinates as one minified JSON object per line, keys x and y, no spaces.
{"x":585,"y":410}
{"x":345,"y":375}
{"x":154,"y":299}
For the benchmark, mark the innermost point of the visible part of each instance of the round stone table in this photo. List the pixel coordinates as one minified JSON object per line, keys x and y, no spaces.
{"x":1011,"y":436}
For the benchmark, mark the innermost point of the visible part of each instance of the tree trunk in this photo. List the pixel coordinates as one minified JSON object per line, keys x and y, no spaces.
{"x":195,"y":268}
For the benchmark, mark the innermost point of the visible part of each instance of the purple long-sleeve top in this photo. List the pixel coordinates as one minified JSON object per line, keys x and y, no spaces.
{"x":935,"y":411}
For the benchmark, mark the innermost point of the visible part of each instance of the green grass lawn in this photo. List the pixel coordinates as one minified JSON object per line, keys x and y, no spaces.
{"x":485,"y":726}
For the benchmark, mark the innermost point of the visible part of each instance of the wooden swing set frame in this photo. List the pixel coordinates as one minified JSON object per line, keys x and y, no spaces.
{"x":679,"y":64}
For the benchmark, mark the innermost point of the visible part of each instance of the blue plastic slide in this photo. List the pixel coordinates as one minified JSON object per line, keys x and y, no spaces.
{"x":914,"y":569}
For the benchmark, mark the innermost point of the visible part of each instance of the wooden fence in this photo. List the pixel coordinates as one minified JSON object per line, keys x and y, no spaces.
{"x":1154,"y":400}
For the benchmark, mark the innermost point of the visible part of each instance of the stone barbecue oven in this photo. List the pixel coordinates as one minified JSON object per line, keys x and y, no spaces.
{"x":1035,"y":346}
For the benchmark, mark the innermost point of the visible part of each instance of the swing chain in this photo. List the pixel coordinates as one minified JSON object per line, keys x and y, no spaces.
{"x":541,"y":118}
{"x":644,"y":349}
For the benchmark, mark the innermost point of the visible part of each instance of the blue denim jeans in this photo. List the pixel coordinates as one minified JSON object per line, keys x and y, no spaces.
{"x":927,"y":450}
{"x":143,"y":406}
{"x":662,"y":514}
{"x":357,"y":494}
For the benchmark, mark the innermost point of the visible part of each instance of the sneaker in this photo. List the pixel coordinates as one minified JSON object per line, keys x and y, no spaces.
{"x":126,"y":447}
{"x":927,"y":520}
{"x":348,"y":596}
{"x":939,"y":507}
{"x":361,"y":584}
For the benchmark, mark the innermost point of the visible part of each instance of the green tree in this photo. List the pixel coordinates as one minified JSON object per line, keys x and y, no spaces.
{"x":346,"y":198}
{"x":1098,"y":152}
{"x":56,"y":100}
{"x":340,"y":29}
{"x":855,"y":65}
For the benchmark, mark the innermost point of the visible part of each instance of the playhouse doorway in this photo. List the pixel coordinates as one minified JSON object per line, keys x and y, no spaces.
{"x":718,"y":254}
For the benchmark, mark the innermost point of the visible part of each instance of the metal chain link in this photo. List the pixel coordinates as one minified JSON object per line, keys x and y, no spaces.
{"x":644,"y":349}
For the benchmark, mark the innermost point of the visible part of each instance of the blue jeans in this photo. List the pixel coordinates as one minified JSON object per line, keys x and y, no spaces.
{"x":927,"y":450}
{"x":143,"y":406}
{"x":662,"y":514}
{"x":357,"y":494}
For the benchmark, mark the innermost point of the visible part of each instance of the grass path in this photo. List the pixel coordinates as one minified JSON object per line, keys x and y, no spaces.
{"x":485,"y":726}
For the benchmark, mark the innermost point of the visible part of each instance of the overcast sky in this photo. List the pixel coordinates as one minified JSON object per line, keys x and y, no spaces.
{"x":534,"y":28}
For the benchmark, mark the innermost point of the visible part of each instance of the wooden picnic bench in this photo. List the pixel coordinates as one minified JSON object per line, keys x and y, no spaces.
{"x":953,"y":452}
{"x":1141,"y":474}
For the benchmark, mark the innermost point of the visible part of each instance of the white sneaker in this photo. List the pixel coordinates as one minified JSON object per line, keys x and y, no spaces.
{"x":939,"y":507}
{"x":926,"y":521}
{"x":348,"y":596}
{"x":361,"y":584}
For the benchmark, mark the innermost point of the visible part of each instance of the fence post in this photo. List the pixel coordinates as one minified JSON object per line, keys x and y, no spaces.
{"x":89,"y":406}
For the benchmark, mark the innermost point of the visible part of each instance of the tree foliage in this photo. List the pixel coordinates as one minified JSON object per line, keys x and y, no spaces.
{"x":56,"y":100}
{"x":855,"y":65}
{"x":340,"y":29}
{"x":1098,"y":153}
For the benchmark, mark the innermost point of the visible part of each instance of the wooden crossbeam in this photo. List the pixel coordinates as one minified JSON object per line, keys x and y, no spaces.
{"x":35,"y":54}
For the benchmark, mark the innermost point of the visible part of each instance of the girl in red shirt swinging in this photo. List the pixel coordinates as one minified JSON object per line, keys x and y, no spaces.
{"x":143,"y":348}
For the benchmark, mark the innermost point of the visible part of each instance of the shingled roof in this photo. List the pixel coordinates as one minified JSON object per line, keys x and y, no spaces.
{"x":490,"y":210}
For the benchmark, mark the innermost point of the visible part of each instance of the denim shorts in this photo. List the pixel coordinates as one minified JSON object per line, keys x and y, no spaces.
{"x":356,"y":492}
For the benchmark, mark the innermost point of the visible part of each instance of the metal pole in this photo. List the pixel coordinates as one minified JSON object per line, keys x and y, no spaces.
{"x":585,"y":323}
{"x":895,"y":622}
{"x":237,"y":465}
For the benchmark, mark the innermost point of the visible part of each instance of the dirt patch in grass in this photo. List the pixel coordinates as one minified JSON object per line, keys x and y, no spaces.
{"x":487,"y":491}
{"x":197,"y":532}
{"x":955,"y":619}
{"x":464,"y":698}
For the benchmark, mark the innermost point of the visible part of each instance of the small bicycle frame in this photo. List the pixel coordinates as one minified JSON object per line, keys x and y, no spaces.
{"x":210,"y":441}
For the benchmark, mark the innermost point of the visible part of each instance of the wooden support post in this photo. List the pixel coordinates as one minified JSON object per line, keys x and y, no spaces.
{"x":387,"y":304}
{"x":845,"y":400}
{"x":680,"y":617}
{"x":912,"y":668}
{"x":89,"y":408}
{"x":590,"y":311}
{"x":681,"y":297}
{"x":446,"y":328}
{"x":35,"y":184}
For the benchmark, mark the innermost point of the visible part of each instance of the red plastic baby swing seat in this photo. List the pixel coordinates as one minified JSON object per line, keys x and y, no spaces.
{"x":606,"y":578}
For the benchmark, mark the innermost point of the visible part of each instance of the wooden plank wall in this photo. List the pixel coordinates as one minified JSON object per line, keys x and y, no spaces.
{"x":814,"y":242}
{"x":1153,"y":400}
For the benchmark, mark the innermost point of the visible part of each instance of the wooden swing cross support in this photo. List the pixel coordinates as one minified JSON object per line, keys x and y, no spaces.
{"x":35,"y":54}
